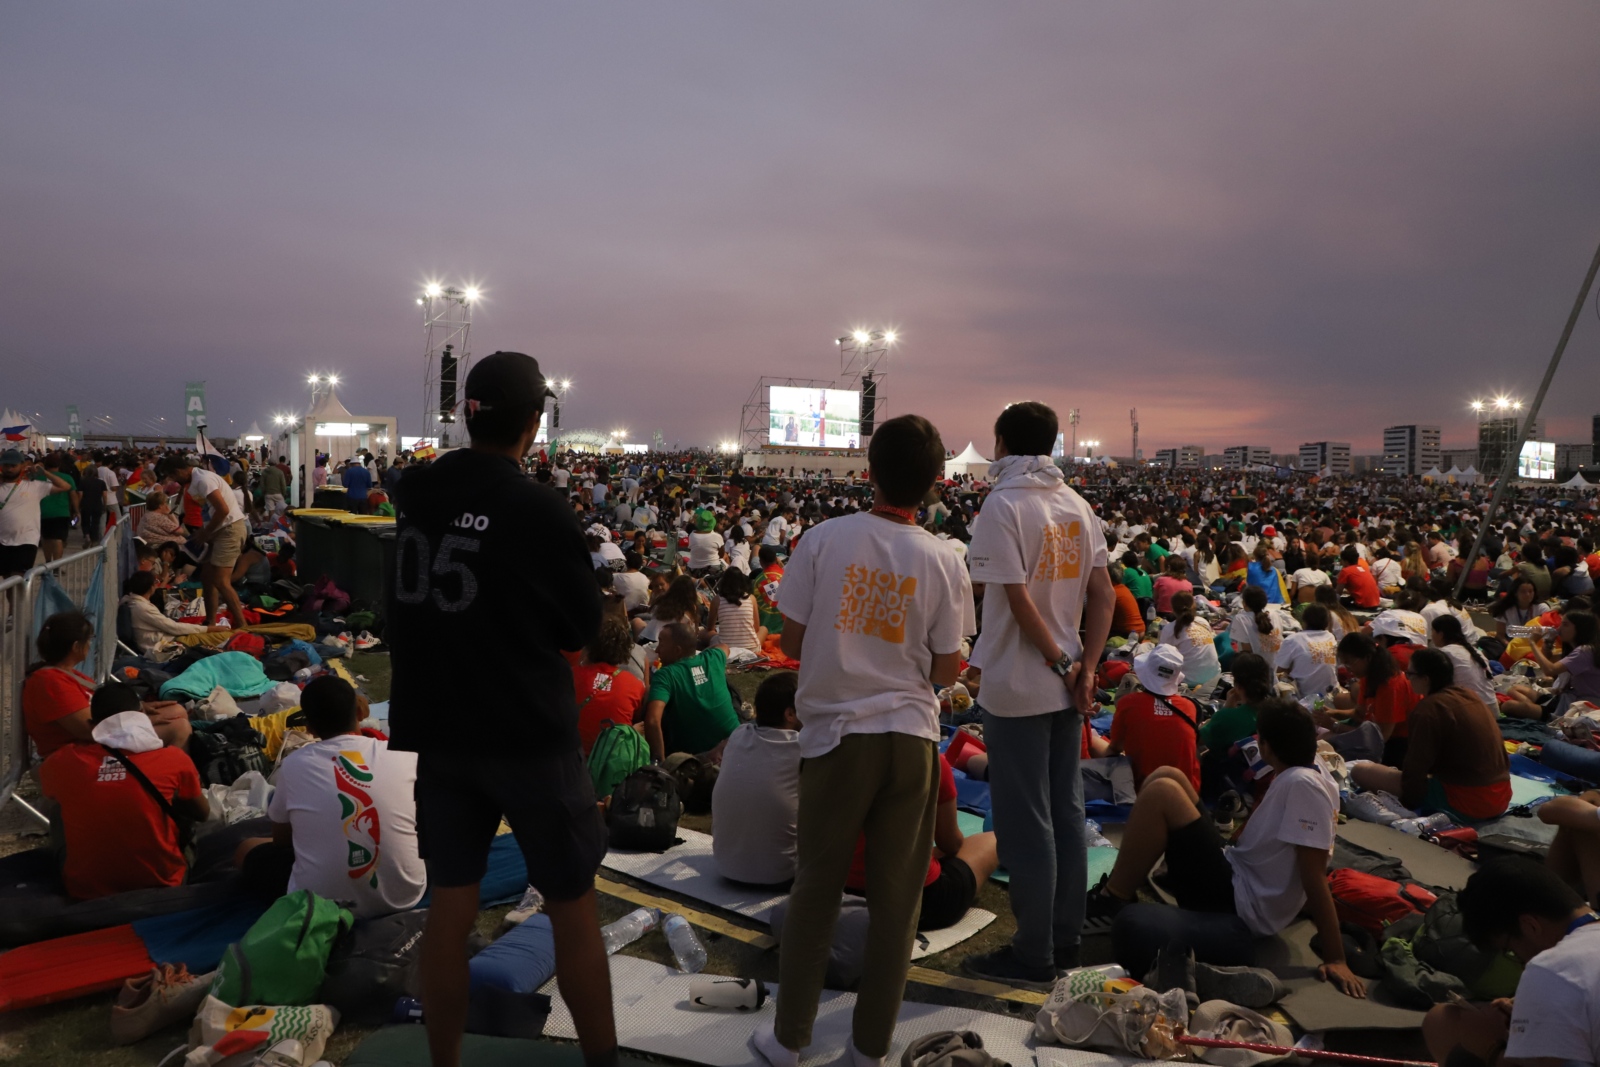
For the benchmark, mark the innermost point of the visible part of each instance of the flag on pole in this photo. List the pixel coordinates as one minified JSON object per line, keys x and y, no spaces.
{"x":18,"y":432}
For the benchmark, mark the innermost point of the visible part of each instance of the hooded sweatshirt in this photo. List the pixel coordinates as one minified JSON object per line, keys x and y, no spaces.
{"x":1033,"y":531}
{"x":492,"y":581}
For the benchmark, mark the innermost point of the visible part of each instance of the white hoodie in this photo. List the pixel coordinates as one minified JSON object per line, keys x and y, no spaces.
{"x":130,"y":731}
{"x":1035,"y":531}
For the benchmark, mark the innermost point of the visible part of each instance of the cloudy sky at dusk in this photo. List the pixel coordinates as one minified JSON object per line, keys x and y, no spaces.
{"x":1256,"y":222}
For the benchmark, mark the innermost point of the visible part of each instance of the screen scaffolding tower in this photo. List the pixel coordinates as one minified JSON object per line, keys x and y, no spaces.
{"x":863,"y":365}
{"x":756,"y":415}
{"x":446,"y":330}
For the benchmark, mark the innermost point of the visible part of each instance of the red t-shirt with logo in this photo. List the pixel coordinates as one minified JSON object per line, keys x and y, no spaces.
{"x":1152,"y":736}
{"x":118,"y":838}
{"x":1358,"y":581}
{"x":858,"y":866}
{"x":604,"y":692}
{"x":52,"y":693}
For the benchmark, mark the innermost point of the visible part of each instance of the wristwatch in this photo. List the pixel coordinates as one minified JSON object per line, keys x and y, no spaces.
{"x":1062,"y":666}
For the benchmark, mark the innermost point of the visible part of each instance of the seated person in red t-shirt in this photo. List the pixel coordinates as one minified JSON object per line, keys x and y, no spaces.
{"x":1382,"y":696}
{"x":1355,"y":583}
{"x":55,"y":697}
{"x":1156,"y":727}
{"x":118,"y":835}
{"x":958,"y":866}
{"x":604,"y":690}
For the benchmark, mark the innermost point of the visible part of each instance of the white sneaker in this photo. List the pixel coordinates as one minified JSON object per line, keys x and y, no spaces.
{"x":1376,"y":807}
{"x":365,"y":641}
{"x":531,"y":904}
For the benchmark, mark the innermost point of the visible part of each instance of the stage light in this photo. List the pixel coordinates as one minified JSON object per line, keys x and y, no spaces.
{"x":1477,"y":405}
{"x":434,"y":289}
{"x":1501,"y":402}
{"x":888,"y":336}
{"x":333,"y":379}
{"x":566,"y":383}
{"x":862,"y":336}
{"x":471,"y":293}
{"x":419,"y":300}
{"x":312,"y":380}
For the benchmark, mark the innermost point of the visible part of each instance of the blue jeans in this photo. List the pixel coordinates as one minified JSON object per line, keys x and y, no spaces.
{"x":1037,"y":797}
{"x":1141,"y":931}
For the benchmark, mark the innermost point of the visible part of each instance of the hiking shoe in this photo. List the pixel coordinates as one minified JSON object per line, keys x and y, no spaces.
{"x":1229,"y":809}
{"x":1174,"y":969}
{"x":531,"y":904}
{"x":1370,"y":807}
{"x":1101,"y":907}
{"x":365,"y":641}
{"x":1003,"y":966}
{"x":1248,"y":987}
{"x":155,"y":1001}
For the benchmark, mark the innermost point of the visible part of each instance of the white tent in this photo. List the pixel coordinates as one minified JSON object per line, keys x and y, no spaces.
{"x":1470,"y":474}
{"x":29,"y":437}
{"x":1433,"y":472}
{"x":1576,"y":482}
{"x":970,"y":461}
{"x":331,"y":430}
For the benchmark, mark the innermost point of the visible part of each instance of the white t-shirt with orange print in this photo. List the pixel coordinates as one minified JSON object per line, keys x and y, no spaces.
{"x":878,"y":599}
{"x":1044,"y":534}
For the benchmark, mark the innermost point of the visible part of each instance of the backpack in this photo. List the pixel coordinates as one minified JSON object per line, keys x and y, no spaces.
{"x":281,"y":959}
{"x":1441,"y":943}
{"x":617,"y":753}
{"x":644,"y":811}
{"x":225,"y":749}
{"x":254,"y":644}
{"x":1374,"y":903}
{"x":374,"y":965}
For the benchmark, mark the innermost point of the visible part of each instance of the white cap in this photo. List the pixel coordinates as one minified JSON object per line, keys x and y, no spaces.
{"x":1160,"y":670}
{"x":1407,"y":625}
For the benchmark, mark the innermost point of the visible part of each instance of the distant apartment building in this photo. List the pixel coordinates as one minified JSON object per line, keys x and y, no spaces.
{"x":1241,"y":456}
{"x":1460,"y":458}
{"x":1410,"y":450}
{"x":1331,"y":455}
{"x":1571,"y":457}
{"x":1184,"y":457}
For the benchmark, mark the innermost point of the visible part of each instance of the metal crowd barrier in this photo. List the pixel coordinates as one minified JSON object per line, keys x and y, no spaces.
{"x":91,"y":580}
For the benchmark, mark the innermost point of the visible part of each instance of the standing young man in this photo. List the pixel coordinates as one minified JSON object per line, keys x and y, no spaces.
{"x":225,"y":532}
{"x":21,"y":498}
{"x":875,"y":608}
{"x":491,"y":568}
{"x":1039,"y":551}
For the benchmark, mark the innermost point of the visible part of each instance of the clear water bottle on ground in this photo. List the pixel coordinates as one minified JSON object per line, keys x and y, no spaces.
{"x":686,"y":947}
{"x":1427,"y":824}
{"x":630,"y":928}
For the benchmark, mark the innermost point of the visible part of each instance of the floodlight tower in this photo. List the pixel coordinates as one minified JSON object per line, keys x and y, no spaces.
{"x":1072,"y":417}
{"x":1133,"y":417}
{"x":446,"y":330}
{"x":864,"y":364}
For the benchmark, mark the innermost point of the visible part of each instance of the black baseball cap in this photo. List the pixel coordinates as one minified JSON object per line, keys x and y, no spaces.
{"x":507,"y":380}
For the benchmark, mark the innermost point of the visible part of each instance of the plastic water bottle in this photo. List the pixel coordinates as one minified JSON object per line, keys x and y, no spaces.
{"x":630,"y":928}
{"x":407,"y":1010}
{"x":686,"y":947}
{"x":1427,"y":824}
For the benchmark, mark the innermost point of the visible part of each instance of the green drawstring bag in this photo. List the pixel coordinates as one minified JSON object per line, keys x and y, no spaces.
{"x":281,"y":959}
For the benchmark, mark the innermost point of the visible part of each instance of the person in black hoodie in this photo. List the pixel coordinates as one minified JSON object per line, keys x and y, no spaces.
{"x":491,"y":583}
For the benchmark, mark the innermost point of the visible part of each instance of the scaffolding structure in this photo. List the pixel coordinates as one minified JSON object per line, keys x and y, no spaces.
{"x":446,"y":331}
{"x":863,"y":365}
{"x":756,"y":414}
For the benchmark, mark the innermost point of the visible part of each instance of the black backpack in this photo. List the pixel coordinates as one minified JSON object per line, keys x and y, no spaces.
{"x":225,"y":749}
{"x":375,"y":964}
{"x":645,"y":810}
